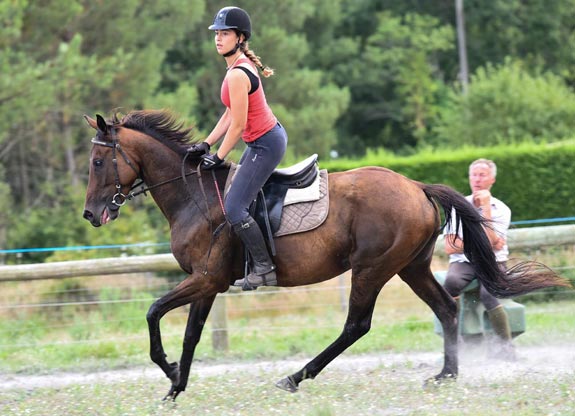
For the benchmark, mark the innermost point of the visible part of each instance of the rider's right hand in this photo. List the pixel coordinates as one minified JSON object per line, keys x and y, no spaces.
{"x":199,"y":149}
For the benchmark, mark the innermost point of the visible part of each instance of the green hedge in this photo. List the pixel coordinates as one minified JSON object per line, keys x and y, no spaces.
{"x":535,"y":180}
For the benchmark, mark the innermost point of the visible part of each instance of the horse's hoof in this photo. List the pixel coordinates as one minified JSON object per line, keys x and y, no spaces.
{"x":287,"y":384}
{"x":172,"y":394}
{"x":439,"y":380}
{"x":430,"y":383}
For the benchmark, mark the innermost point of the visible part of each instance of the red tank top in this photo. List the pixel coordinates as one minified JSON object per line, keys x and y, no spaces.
{"x":260,"y":116}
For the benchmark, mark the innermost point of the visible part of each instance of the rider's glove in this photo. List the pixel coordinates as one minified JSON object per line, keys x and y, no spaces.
{"x":198,"y":149}
{"x":210,"y":161}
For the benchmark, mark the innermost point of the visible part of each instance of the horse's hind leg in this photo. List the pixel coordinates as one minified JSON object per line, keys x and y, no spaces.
{"x":421,"y":280}
{"x":358,"y":323}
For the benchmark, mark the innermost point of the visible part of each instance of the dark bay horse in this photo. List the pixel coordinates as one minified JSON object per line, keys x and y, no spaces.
{"x":380,"y":224}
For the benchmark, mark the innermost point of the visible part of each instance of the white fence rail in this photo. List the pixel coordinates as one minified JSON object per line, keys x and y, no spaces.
{"x":94,"y":267}
{"x":518,"y":239}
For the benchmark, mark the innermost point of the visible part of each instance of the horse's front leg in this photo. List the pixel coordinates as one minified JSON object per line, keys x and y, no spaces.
{"x":157,"y":354}
{"x":195,"y":288}
{"x":196,"y":320}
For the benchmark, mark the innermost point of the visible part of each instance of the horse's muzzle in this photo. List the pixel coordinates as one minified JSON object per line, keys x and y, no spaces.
{"x":90,"y":217}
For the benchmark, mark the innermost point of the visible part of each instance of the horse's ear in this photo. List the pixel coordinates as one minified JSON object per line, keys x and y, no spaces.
{"x":102,"y":126}
{"x":91,"y":122}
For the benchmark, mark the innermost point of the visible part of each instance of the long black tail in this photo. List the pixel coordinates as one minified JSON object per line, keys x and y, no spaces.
{"x":522,"y":278}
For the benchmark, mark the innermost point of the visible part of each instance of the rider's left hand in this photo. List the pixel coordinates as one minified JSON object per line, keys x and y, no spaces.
{"x":210,"y":161}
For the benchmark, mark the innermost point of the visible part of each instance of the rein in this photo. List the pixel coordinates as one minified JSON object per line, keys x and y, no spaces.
{"x":119,"y":198}
{"x":208,"y":217}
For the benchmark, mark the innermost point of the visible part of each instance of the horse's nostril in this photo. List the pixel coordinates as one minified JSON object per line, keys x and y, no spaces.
{"x":88,"y":215}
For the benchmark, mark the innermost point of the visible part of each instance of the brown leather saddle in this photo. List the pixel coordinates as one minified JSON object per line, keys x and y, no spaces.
{"x":267,"y":208}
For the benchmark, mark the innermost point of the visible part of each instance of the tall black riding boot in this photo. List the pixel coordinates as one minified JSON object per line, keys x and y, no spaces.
{"x":262,"y":272}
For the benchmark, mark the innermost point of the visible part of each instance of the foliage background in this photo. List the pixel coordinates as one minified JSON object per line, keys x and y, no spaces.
{"x":354,"y":78}
{"x":534,"y":179}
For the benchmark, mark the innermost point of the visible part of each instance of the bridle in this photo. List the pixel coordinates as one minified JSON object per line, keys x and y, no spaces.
{"x":119,"y":198}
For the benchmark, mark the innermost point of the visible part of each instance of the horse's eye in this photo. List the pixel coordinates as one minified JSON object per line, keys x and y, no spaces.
{"x":98,"y":162}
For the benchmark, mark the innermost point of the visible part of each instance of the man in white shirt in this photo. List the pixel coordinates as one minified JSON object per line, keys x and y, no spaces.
{"x":482,"y":173}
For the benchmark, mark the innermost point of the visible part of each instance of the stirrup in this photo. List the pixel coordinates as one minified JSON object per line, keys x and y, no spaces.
{"x":266,"y":279}
{"x":247,"y":286}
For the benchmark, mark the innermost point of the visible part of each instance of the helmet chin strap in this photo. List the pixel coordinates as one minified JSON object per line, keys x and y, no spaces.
{"x":233,"y":51}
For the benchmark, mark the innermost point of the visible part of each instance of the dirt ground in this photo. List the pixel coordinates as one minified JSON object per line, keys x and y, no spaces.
{"x":545,"y":362}
{"x":541,"y":382}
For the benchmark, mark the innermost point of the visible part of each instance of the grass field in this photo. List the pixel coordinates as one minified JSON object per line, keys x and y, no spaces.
{"x":115,"y":335}
{"x":72,"y":346}
{"x":244,"y":386}
{"x":353,"y":385}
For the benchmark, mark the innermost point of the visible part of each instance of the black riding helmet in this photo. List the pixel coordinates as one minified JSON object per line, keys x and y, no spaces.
{"x":233,"y":18}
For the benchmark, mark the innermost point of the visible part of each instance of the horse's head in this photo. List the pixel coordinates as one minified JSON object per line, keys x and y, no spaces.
{"x":112,"y":173}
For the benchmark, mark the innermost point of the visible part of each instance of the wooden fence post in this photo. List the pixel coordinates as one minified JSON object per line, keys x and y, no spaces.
{"x":219,"y":324}
{"x":342,"y":292}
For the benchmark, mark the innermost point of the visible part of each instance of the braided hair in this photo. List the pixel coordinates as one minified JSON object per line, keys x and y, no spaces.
{"x":265,"y":70}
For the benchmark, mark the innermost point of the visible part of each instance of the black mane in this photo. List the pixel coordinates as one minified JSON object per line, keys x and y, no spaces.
{"x":162,"y":125}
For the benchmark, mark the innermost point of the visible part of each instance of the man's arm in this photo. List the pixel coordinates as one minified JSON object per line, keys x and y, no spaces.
{"x":482,"y":199}
{"x":453,"y":244}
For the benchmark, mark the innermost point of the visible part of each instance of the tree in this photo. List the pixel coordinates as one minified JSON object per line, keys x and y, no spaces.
{"x":538,"y":31}
{"x":305,"y":100}
{"x":62,"y":58}
{"x":350,"y":75}
{"x":508,"y":104}
{"x":397,"y":90}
